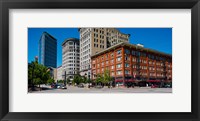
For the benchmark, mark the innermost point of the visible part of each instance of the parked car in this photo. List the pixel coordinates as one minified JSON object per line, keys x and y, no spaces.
{"x":99,"y":86}
{"x":154,"y":86}
{"x":61,"y":86}
{"x":58,"y":86}
{"x":167,"y":86}
{"x":53,"y":86}
{"x":81,"y":85}
{"x":130,"y":85}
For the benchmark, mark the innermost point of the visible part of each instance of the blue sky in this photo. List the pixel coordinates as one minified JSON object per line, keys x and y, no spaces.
{"x":155,"y":38}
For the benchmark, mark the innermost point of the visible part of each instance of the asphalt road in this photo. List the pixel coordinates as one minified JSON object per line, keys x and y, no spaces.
{"x":72,"y":89}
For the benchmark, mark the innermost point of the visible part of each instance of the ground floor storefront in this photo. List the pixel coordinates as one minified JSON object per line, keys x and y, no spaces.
{"x":141,"y":82}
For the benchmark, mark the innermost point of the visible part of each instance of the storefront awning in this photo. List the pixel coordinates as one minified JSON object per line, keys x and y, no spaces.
{"x":153,"y":81}
{"x":130,"y":80}
{"x":118,"y":80}
{"x":127,"y":80}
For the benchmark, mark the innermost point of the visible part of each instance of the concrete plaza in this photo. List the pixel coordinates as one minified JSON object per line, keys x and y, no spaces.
{"x":72,"y":89}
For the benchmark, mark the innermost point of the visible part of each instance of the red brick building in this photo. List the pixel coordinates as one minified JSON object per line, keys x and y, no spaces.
{"x":133,"y":63}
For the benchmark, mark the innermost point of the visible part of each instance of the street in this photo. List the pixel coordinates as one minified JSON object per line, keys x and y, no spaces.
{"x":72,"y":89}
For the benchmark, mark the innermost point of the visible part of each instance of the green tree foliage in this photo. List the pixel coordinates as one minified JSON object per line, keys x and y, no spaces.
{"x":38,"y":74}
{"x":60,"y":81}
{"x":84,"y":80}
{"x":77,"y":79}
{"x":68,"y":80}
{"x":50,"y":81}
{"x":99,"y":79}
{"x":80,"y":79}
{"x":104,"y":78}
{"x":88,"y":80}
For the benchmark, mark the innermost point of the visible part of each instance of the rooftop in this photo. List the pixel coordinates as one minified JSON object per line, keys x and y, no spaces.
{"x":131,"y":46}
{"x":49,"y":35}
{"x":108,"y":28}
{"x":70,"y":39}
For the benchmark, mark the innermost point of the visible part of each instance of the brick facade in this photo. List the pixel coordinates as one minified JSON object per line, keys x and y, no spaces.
{"x":130,"y":63}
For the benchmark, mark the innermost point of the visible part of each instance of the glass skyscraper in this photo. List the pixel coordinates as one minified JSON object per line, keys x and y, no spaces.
{"x":48,"y":50}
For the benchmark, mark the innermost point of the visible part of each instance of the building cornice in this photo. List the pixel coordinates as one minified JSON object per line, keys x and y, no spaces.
{"x":121,"y":44}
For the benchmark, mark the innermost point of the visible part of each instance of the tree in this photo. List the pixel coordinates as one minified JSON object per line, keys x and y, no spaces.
{"x":77,"y":79}
{"x":84,"y":80}
{"x":50,"y":81}
{"x":60,"y":81}
{"x":99,"y":79}
{"x":106,"y":76}
{"x":38,"y":74}
{"x":88,"y":80}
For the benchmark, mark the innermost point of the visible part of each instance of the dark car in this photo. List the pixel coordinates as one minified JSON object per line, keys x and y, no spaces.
{"x":129,"y":84}
{"x":61,"y":86}
{"x":53,"y":86}
{"x":58,"y":86}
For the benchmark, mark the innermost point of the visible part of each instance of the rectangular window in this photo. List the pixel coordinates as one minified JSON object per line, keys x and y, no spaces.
{"x":127,"y":58}
{"x":119,"y":58}
{"x":133,"y":52}
{"x":134,"y":59}
{"x":106,"y":55}
{"x":137,"y":53}
{"x":134,"y":66}
{"x":119,"y":72}
{"x":93,"y":65}
{"x":112,"y":54}
{"x":143,"y":54}
{"x":70,"y":43}
{"x":119,"y":52}
{"x":127,"y":72}
{"x":119,"y":65}
{"x":127,"y":51}
{"x":126,"y":64}
{"x":112,"y":61}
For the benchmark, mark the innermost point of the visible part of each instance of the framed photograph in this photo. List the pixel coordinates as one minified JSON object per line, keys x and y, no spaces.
{"x":99,"y":60}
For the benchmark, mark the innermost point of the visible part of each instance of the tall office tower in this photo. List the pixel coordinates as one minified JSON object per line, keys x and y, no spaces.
{"x":48,"y":50}
{"x":94,"y":40}
{"x":70,"y":58}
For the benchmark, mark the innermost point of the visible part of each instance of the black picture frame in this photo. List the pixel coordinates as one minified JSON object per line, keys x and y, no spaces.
{"x":5,"y":5}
